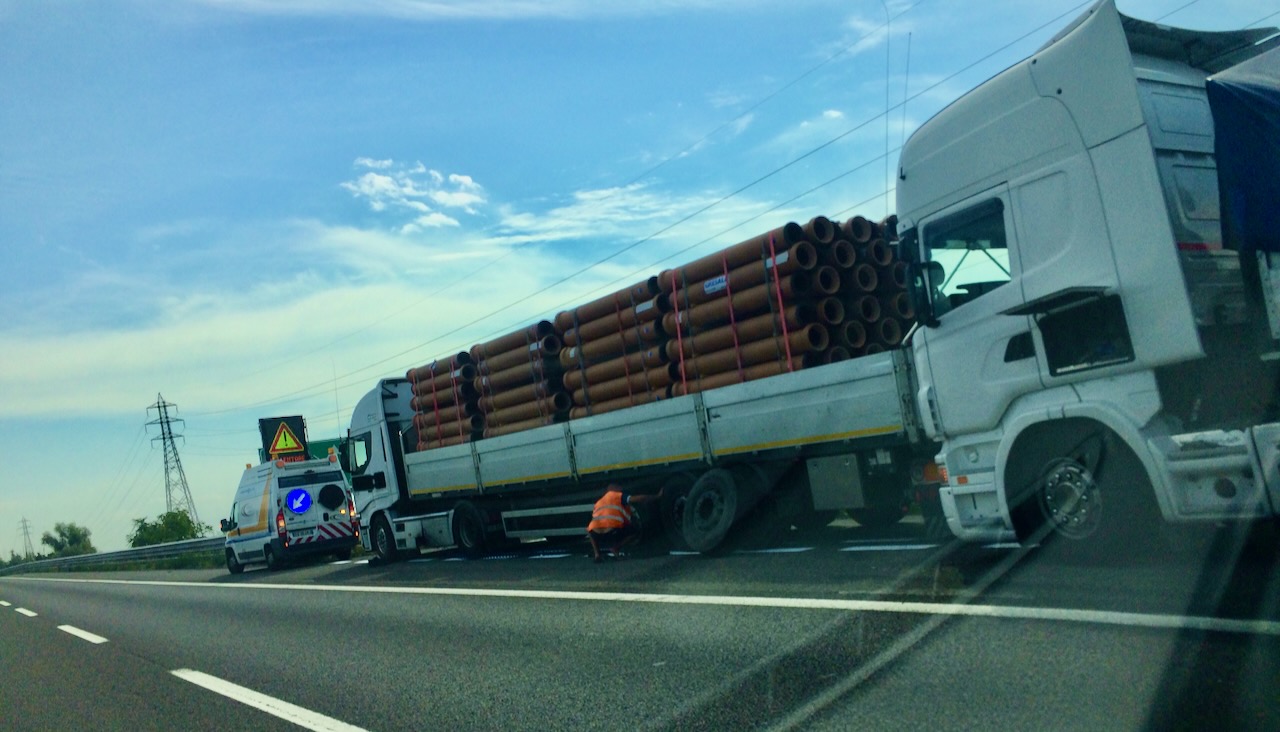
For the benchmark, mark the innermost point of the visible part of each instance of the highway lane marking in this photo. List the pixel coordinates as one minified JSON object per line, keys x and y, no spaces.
{"x":888,"y":547}
{"x":5,"y":604}
{"x":82,"y":634}
{"x":275,"y":707}
{"x":24,"y":611}
{"x":779,"y":550}
{"x":1157,"y":621}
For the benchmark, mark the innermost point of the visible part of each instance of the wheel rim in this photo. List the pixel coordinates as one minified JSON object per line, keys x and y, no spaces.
{"x":468,"y":532}
{"x":708,"y":510}
{"x":1070,"y":500}
{"x":384,"y":542}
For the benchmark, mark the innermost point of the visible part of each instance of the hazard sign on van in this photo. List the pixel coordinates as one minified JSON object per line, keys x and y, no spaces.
{"x":284,"y":438}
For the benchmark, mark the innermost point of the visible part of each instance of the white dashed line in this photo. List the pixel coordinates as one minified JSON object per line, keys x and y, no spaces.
{"x":888,"y":547}
{"x":282,"y":709}
{"x":24,"y":611}
{"x":82,"y":634}
{"x":779,"y":550}
{"x":4,"y":604}
{"x":550,"y":556}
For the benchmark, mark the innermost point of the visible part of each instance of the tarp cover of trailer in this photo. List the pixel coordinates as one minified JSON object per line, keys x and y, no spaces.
{"x":1245,"y":101}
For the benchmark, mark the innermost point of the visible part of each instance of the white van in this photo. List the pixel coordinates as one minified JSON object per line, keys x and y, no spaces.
{"x":284,"y":510}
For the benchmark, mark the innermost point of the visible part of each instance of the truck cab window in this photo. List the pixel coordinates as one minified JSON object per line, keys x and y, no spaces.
{"x":973,"y":252}
{"x":361,"y":448}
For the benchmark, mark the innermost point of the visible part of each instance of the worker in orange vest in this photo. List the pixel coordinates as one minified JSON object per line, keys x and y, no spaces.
{"x":613,"y":520}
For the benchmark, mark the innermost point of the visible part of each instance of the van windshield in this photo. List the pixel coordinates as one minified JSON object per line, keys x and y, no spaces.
{"x":311,"y":477}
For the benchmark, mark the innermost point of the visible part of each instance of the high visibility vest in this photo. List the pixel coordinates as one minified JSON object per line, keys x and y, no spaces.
{"x":610,"y":513}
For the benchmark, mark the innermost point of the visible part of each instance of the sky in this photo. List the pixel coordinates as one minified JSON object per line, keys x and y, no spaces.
{"x":256,"y":208}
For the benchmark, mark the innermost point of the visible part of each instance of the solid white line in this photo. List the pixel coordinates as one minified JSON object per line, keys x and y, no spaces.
{"x":4,"y":604}
{"x":1005,"y":545}
{"x":888,"y":547}
{"x":24,"y":611}
{"x":82,"y":634}
{"x":284,"y":710}
{"x":1012,"y":612}
{"x":550,"y":556}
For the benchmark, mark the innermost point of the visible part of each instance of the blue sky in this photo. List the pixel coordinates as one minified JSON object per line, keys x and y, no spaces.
{"x":259,"y":208}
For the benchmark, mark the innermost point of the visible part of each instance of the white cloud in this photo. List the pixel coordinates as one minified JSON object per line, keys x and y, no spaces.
{"x":411,"y":187}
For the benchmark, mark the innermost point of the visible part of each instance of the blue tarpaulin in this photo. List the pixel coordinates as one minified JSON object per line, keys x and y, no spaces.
{"x":1245,"y":100}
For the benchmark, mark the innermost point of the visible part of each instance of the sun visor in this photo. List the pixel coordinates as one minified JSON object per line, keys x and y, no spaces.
{"x":1245,"y":101}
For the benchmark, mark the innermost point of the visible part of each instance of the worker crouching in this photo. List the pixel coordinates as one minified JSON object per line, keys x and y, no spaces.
{"x":613,"y":520}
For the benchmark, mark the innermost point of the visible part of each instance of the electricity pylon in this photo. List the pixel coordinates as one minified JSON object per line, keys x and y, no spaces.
{"x":177,"y":494}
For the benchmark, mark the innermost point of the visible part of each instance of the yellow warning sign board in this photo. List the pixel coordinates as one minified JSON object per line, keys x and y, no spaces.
{"x":285,"y":441}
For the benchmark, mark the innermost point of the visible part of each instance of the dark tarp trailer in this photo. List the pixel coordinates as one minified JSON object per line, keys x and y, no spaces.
{"x":1245,"y":101}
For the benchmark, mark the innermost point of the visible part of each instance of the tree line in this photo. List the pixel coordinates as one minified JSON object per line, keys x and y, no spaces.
{"x":70,"y":539}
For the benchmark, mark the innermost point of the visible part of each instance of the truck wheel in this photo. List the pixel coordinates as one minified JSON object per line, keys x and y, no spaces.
{"x":709,"y":510}
{"x":675,"y":496}
{"x":468,"y":529}
{"x":877,"y":517}
{"x":1093,"y":499}
{"x":233,"y":565}
{"x":273,"y":562}
{"x":384,"y":542}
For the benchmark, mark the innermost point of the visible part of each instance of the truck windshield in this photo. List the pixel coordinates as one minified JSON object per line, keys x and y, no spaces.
{"x":311,"y":477}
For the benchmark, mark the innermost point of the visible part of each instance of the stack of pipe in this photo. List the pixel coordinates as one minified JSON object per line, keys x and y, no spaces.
{"x":756,"y":309}
{"x":444,"y":402}
{"x":874,"y":292}
{"x":796,"y":297}
{"x":613,"y":356}
{"x":518,"y":380}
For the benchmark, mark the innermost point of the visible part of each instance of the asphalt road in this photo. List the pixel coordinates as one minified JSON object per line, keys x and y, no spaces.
{"x":842,"y":629}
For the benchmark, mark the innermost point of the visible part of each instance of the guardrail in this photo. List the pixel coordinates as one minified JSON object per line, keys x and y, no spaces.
{"x":155,"y":551}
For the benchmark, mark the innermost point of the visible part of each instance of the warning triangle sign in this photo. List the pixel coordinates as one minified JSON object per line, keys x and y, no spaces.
{"x":285,"y":441}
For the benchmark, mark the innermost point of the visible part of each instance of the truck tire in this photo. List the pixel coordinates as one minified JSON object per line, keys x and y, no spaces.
{"x":1089,"y":498}
{"x":274,"y":564}
{"x":233,"y":565}
{"x":384,"y":542}
{"x":675,"y":496}
{"x":469,"y":529}
{"x":709,"y":510}
{"x":877,"y":517}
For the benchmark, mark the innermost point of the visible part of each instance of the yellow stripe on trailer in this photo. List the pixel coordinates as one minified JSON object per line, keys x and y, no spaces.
{"x":870,"y":432}
{"x":638,"y":463}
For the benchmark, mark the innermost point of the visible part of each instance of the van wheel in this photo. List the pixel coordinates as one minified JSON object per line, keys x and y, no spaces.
{"x":233,"y":565}
{"x":384,"y":542}
{"x":468,"y":529}
{"x":273,"y":562}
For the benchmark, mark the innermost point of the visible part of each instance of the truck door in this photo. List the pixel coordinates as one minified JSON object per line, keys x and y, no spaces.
{"x":978,"y":359}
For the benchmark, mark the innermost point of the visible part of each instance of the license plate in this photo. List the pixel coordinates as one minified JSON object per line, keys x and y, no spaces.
{"x":303,"y":532}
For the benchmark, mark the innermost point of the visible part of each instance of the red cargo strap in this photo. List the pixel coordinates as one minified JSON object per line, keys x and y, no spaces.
{"x":733,"y":321}
{"x":782,"y":311}
{"x":675,"y":302}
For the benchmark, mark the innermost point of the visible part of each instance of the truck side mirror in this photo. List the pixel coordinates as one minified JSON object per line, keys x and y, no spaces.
{"x":922,"y":278}
{"x":344,"y":455}
{"x":228,"y":525}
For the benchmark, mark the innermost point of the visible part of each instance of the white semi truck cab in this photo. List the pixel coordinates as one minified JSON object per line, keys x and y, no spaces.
{"x":1093,"y":351}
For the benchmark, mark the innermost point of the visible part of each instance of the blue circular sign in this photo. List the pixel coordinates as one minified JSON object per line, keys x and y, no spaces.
{"x":298,"y":500}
